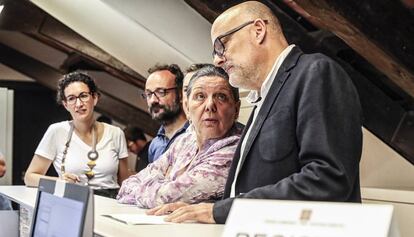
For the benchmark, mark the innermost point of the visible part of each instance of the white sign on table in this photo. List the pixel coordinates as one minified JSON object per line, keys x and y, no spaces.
{"x":274,"y":218}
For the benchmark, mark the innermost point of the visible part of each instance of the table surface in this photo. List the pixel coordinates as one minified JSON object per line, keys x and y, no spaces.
{"x":105,"y":226}
{"x":401,"y":195}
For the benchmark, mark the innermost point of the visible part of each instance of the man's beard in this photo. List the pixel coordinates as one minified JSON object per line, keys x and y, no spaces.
{"x":169,"y":115}
{"x":242,"y":78}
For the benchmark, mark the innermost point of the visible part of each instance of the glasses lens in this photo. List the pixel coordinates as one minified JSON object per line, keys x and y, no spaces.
{"x":71,"y":99}
{"x":218,"y":48}
{"x":160,"y":92}
{"x":84,"y":97}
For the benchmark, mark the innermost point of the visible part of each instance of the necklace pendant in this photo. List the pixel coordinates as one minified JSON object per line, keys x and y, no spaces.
{"x":90,"y":174}
{"x":93,"y":155}
{"x":91,"y":164}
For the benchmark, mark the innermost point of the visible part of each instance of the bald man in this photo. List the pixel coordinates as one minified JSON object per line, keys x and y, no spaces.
{"x":303,"y":140}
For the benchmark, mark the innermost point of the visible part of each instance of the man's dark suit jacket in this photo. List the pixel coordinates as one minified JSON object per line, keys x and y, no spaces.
{"x":306,"y":141}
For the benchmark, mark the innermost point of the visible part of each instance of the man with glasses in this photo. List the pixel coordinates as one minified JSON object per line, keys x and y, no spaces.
{"x":163,"y":95}
{"x":303,"y":140}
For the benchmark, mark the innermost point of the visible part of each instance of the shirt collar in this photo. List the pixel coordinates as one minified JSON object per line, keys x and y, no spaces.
{"x":254,"y":95}
{"x":236,"y":129}
{"x":161,"y":130}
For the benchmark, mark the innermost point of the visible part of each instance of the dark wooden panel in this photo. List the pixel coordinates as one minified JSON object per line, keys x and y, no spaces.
{"x":381,"y":115}
{"x":204,"y":10}
{"x":53,"y":30}
{"x":387,"y":23}
{"x":404,"y":137}
{"x":325,"y":15}
{"x":24,"y":16}
{"x":35,"y":108}
{"x":48,"y":77}
{"x":20,"y":16}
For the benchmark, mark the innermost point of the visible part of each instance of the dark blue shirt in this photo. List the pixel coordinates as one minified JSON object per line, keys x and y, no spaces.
{"x":5,"y":204}
{"x":160,"y":143}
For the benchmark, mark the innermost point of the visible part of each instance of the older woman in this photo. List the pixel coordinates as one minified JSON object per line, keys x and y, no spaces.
{"x":195,"y":167}
{"x":82,"y":150}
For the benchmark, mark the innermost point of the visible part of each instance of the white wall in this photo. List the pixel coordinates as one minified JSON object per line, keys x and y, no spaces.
{"x":245,"y":109}
{"x":383,"y":167}
{"x":138,"y":33}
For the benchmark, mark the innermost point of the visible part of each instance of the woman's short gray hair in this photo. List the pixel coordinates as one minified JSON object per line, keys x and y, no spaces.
{"x":209,"y":71}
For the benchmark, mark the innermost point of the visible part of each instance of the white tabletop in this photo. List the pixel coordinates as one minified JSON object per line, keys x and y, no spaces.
{"x":20,"y":194}
{"x":399,"y":195}
{"x":105,"y":226}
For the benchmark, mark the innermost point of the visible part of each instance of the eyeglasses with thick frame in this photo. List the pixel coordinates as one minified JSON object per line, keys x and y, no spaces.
{"x":159,"y":92}
{"x":83,"y":97}
{"x":218,"y":46}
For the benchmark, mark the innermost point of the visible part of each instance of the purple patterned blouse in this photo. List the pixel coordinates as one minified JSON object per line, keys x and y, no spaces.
{"x":183,"y":173}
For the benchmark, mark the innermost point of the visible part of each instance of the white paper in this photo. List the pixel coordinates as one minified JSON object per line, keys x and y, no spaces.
{"x":60,"y":186}
{"x":250,"y":217}
{"x":139,"y":219}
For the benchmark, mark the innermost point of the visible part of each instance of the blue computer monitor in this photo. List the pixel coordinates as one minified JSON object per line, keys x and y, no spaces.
{"x":62,"y":210}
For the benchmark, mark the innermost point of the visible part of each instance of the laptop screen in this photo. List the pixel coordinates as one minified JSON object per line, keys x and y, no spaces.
{"x":59,"y":211}
{"x":58,"y":216}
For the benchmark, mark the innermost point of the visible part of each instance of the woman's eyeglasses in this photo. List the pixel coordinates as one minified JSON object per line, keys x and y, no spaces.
{"x":84,"y":97}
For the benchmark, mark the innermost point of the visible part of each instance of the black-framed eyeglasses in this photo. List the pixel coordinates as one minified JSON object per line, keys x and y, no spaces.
{"x":159,"y":92}
{"x":84,"y":97}
{"x":218,"y":46}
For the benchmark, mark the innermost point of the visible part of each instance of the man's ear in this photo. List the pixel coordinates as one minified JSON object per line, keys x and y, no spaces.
{"x":180,"y":94}
{"x":260,"y":30}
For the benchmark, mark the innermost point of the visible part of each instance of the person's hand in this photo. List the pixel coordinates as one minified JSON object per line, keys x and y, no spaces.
{"x":2,"y":167}
{"x":166,"y":208}
{"x":202,"y":212}
{"x":70,"y":178}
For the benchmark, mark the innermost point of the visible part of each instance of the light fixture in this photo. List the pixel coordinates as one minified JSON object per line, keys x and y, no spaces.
{"x":1,"y":8}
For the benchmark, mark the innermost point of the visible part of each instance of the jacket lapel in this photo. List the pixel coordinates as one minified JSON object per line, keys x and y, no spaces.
{"x":278,"y":82}
{"x":236,"y":159}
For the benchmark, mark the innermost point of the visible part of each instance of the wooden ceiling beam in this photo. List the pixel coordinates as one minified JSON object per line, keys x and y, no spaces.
{"x":25,"y":17}
{"x":326,"y":14}
{"x":48,"y":76}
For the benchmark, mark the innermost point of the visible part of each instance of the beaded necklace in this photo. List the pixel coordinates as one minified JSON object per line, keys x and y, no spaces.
{"x":92,"y":154}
